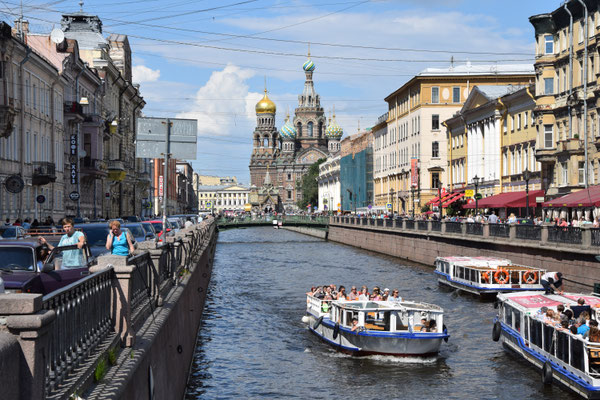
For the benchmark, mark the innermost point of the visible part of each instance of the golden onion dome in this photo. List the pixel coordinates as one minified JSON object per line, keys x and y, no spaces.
{"x":265,"y":105}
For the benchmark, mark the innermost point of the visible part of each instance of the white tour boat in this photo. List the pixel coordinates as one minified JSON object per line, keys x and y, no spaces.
{"x":564,"y":358}
{"x":385,"y":328}
{"x":487,"y":275}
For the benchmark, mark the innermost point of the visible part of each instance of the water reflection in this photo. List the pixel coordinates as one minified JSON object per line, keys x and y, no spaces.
{"x":252,"y":343}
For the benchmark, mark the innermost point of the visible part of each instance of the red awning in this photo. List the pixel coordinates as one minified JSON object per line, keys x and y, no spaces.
{"x":589,"y":197}
{"x":453,"y":199}
{"x":436,"y":199}
{"x":508,"y":200}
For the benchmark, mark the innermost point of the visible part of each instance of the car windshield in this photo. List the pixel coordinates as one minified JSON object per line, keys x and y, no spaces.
{"x":157,"y":226}
{"x":148,"y":228}
{"x":175,"y":223}
{"x":8,"y":232}
{"x":96,"y":236}
{"x":136,"y":230}
{"x":16,"y":258}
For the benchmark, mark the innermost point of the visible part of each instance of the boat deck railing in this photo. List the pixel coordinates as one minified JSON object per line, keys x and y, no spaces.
{"x":501,"y":275}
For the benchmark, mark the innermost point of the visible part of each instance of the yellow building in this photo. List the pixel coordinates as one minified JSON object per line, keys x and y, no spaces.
{"x":493,"y":139}
{"x":566,"y":100}
{"x":414,"y":131}
{"x":223,"y":198}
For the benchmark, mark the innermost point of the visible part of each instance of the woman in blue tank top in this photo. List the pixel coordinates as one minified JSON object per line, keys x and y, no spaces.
{"x":119,"y":242}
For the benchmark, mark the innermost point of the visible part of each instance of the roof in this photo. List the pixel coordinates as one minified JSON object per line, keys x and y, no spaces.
{"x":493,"y":92}
{"x":470,"y":69}
{"x":20,"y":242}
{"x":589,"y":197}
{"x":477,"y":261}
{"x":508,"y":200}
{"x":536,"y":300}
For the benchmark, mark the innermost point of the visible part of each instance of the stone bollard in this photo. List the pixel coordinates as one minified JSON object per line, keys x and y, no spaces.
{"x":544,"y":234}
{"x":443,"y":230}
{"x":586,"y":236}
{"x":29,"y":324}
{"x":121,"y":295}
{"x":512,"y":232}
{"x":486,"y":230}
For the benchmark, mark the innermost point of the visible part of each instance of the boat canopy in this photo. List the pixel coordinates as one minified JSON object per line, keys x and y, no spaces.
{"x":490,"y":262}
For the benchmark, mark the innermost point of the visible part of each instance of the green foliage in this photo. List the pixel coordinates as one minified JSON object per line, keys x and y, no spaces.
{"x":309,"y":186}
{"x":100,"y":370}
{"x":450,"y":211}
{"x":425,"y":209}
{"x":112,"y":356}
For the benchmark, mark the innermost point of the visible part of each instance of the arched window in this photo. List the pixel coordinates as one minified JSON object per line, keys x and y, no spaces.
{"x":265,"y":142}
{"x":300,"y":129}
{"x":310,"y":129}
{"x":320,"y":128}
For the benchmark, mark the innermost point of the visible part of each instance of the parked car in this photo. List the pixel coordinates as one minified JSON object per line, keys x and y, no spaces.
{"x":12,"y":232}
{"x":138,"y":232}
{"x":176,"y":224}
{"x":132,"y":218}
{"x":149,"y":230}
{"x":23,"y":270}
{"x":96,"y":234}
{"x":158,"y":227}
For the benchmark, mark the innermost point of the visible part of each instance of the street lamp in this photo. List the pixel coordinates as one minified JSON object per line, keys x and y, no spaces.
{"x":527,"y":177}
{"x":412,"y":189}
{"x":476,"y":183}
{"x":440,"y":199}
{"x":392,"y":200}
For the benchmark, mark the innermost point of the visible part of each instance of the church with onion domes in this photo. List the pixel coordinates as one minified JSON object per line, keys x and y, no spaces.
{"x":281,"y":157}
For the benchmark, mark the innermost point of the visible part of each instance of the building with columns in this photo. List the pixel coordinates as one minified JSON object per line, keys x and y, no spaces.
{"x":284,"y":156}
{"x":329,"y":185}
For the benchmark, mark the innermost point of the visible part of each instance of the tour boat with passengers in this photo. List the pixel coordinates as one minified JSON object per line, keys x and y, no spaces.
{"x":487,"y":275}
{"x":377,"y":327}
{"x":568,"y":359}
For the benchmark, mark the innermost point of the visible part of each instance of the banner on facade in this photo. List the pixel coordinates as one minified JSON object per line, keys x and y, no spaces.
{"x":73,"y":150}
{"x":414,"y":174}
{"x":160,"y":186}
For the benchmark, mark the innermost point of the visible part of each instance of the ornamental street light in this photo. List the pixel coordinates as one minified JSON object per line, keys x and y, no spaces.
{"x":392,"y":200}
{"x":476,"y":183}
{"x":526,"y":177}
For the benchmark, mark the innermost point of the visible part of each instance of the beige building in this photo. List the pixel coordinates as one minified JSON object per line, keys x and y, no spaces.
{"x":223,"y":198}
{"x":329,"y":185}
{"x":210,"y":180}
{"x":414,"y":130}
{"x":493,"y":138}
{"x":567,"y":67}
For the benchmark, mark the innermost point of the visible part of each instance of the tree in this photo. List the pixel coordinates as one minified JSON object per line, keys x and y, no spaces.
{"x":309,"y":186}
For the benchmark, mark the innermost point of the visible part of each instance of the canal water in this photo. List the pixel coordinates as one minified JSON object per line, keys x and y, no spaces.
{"x":252,"y":343}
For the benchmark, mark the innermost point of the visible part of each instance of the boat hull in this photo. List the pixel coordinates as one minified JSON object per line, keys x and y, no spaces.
{"x":446,"y":280}
{"x":399,"y":344}
{"x":514,"y":343}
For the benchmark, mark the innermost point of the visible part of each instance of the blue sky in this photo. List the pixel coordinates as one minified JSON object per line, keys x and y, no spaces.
{"x":208,"y":59}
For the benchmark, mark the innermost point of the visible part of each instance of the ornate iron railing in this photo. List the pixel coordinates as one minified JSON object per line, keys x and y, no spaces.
{"x":409,"y":224}
{"x":422,"y":225}
{"x":595,"y":232}
{"x":389,"y":223}
{"x":141,"y":280}
{"x":567,"y":234}
{"x":436,"y":226}
{"x":529,"y":232}
{"x":454,"y":227}
{"x":499,"y":230}
{"x":474,"y":228}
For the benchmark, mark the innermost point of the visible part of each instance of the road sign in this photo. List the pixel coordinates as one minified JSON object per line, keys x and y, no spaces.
{"x":209,"y":204}
{"x":74,"y":196}
{"x":14,"y":184}
{"x":469,"y":193}
{"x":478,"y":196}
{"x":152,"y":134}
{"x":388,"y":206}
{"x":370,"y":206}
{"x":41,"y":199}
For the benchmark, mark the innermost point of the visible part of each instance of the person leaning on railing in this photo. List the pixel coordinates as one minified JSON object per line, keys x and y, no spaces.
{"x":70,"y":258}
{"x":119,"y":242}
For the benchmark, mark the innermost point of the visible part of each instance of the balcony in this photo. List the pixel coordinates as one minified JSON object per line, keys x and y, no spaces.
{"x":545,"y":155}
{"x":7,"y":119}
{"x":43,"y":173}
{"x":571,"y":146}
{"x":73,"y":110}
{"x":93,"y":168}
{"x":116,"y":170}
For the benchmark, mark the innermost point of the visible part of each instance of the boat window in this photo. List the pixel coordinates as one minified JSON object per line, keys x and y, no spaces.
{"x":446,"y":267}
{"x":508,"y":315}
{"x":577,"y":354}
{"x":562,"y":346}
{"x":517,"y":317}
{"x":548,"y":338}
{"x":473,"y":276}
{"x":461,"y":273}
{"x":526,"y":327}
{"x":349,"y":316}
{"x":401,"y":321}
{"x":535,"y":330}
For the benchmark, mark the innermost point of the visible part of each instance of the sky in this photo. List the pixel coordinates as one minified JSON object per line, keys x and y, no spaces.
{"x":209,"y":59}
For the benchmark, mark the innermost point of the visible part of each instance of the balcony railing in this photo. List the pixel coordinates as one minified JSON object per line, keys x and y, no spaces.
{"x":73,"y":108}
{"x":43,"y":173}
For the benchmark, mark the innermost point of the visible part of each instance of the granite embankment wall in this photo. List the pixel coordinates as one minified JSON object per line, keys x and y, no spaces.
{"x":318,"y":233}
{"x":578,"y":264}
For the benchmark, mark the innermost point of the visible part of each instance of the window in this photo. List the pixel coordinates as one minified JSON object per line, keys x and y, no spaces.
{"x":456,"y":94}
{"x":565,"y":173}
{"x":34,"y":97}
{"x":435,"y":95}
{"x":548,"y":85}
{"x":581,"y":172}
{"x":505,"y":164}
{"x":435,"y":180}
{"x":580,"y":31}
{"x":549,"y":44}
{"x":435,"y":149}
{"x":525,"y":120}
{"x":548,"y":136}
{"x":310,"y":129}
{"x":435,"y":122}
{"x":512,"y":122}
{"x":289,"y":177}
{"x":518,"y":121}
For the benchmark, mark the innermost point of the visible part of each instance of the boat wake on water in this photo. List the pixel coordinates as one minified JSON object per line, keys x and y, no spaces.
{"x":383,"y":359}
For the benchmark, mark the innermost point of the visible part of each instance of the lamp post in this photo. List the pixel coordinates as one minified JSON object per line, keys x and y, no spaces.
{"x":476,"y":183}
{"x":392,"y":200}
{"x":412,"y":189}
{"x":526,"y":177}
{"x":440,"y":200}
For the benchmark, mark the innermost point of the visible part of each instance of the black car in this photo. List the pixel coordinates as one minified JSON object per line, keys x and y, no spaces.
{"x":24,"y":269}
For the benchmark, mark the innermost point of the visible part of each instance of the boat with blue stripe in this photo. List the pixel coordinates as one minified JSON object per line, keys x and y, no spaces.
{"x":564,"y":358}
{"x":403,"y":328}
{"x":487,"y":276}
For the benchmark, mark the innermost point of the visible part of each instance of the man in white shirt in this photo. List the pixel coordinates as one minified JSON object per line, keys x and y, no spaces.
{"x":493,"y":219}
{"x":552,"y":278}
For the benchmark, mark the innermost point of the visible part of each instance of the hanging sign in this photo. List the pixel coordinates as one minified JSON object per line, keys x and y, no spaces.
{"x":414,"y":177}
{"x":73,"y":172}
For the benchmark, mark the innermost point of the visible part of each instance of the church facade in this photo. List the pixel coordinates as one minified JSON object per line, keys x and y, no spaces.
{"x":280,"y":158}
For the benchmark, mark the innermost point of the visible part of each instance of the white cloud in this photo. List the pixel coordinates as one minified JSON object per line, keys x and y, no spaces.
{"x":142,"y":74}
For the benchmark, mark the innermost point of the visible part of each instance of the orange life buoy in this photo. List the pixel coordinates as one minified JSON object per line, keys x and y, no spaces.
{"x":530,"y":277}
{"x":485,"y":277}
{"x":498,"y":276}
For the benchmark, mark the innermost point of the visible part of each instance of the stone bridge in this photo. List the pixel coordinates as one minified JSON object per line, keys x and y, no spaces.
{"x":287,"y":220}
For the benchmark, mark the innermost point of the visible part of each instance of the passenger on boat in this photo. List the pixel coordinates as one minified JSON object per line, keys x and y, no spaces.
{"x":386,"y":294}
{"x":364,"y":294}
{"x":594,"y":332}
{"x":552,"y":278}
{"x":394,"y":296}
{"x":355,"y":326}
{"x":352,"y":296}
{"x":342,"y":294}
{"x":432,"y":326}
{"x":541,"y":313}
{"x":376,"y":296}
{"x":582,"y":327}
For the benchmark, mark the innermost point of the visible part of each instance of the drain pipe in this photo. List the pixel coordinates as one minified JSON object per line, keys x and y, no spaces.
{"x":22,"y":121}
{"x":585,"y":74}
{"x":570,"y":69}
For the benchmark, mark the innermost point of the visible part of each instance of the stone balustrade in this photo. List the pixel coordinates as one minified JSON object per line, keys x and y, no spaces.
{"x":54,"y":343}
{"x":585,"y":239}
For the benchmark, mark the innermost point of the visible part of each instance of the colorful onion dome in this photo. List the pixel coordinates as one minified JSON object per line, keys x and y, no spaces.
{"x":334,"y":131}
{"x":265,"y":105}
{"x":308,"y":65}
{"x":287,"y":130}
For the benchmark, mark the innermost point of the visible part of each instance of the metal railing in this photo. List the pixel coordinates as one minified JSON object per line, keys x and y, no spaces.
{"x":423,"y":225}
{"x":436,"y":226}
{"x":567,"y":234}
{"x":529,"y":232}
{"x":499,"y":230}
{"x":453,"y":227}
{"x":595,"y":232}
{"x":141,"y":280}
{"x":389,"y":223}
{"x":474,"y":228}
{"x":409,"y":224}
{"x":379,"y":222}
{"x":83,"y":320}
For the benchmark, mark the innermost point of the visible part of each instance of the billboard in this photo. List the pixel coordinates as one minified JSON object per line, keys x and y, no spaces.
{"x":414,"y":172}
